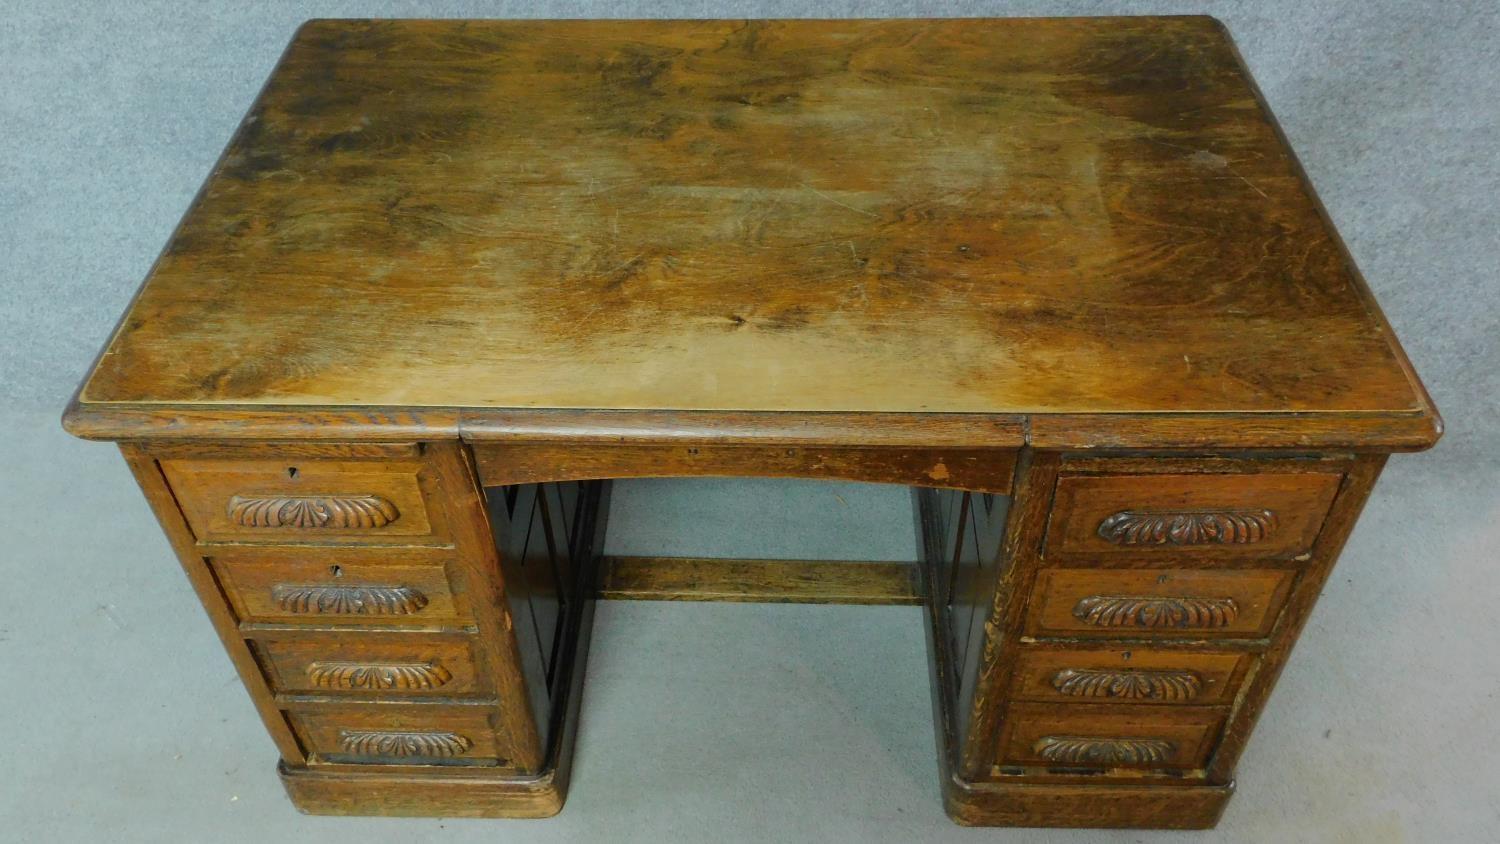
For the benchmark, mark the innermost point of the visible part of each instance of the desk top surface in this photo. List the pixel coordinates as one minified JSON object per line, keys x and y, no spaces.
{"x":967,"y":216}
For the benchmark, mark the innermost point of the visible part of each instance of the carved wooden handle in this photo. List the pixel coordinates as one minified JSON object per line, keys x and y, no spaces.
{"x":1188,"y":527}
{"x":1128,"y":684}
{"x":348,"y":600}
{"x":403,"y":743}
{"x":1137,"y":611}
{"x":1104,"y":751}
{"x":333,"y":512}
{"x":405,"y":676}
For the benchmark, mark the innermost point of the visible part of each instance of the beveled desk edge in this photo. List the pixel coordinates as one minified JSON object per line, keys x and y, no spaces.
{"x":1385,"y":432}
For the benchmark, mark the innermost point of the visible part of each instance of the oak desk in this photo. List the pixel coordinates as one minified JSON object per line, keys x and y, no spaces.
{"x":1062,"y":277}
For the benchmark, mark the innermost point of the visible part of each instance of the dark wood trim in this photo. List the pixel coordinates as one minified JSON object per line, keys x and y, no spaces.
{"x":764,"y":581}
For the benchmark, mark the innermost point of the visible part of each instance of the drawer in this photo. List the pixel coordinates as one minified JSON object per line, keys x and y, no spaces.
{"x":1130,"y":676}
{"x":1266,"y":515}
{"x":1095,"y":737}
{"x":307,"y":501}
{"x":1130,"y":603}
{"x":401,"y":735}
{"x":372,"y":665}
{"x":401,"y":590}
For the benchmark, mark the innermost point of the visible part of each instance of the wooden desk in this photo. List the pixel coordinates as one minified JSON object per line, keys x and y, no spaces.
{"x":1063,"y":277}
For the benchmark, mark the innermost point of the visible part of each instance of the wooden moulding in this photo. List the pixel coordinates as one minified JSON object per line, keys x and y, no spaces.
{"x":1084,"y":806}
{"x":1196,"y":431}
{"x":319,"y":792}
{"x":769,"y":581}
{"x":979,"y":469}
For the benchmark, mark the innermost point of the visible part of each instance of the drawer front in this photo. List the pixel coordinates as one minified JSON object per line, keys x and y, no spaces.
{"x":1096,"y":737}
{"x":346,"y":591}
{"x":306,"y":501}
{"x":1268,"y":515}
{"x":413,"y":735}
{"x":1130,"y":676}
{"x":1132,"y":603}
{"x":372,"y":665}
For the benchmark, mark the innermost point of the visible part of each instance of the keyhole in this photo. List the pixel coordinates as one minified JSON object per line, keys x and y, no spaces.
{"x":336,"y":571}
{"x":1163,"y":579}
{"x":291,"y":472}
{"x":1125,"y":657}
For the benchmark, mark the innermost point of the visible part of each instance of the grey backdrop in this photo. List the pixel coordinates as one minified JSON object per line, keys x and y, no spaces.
{"x":123,"y":719}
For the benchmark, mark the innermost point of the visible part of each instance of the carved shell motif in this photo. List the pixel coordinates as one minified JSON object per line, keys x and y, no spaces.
{"x":1128,"y":684}
{"x":332,"y":512}
{"x":1104,"y":751}
{"x":403,"y":676}
{"x":1137,"y":611}
{"x":1188,"y":527}
{"x":348,"y":600}
{"x":403,"y":744}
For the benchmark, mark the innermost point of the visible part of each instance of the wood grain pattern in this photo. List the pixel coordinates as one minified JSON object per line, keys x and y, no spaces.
{"x":285,"y":586}
{"x":1109,"y":736}
{"x":153,"y":483}
{"x":988,"y":470}
{"x":1352,"y":495}
{"x":405,"y":735}
{"x":1248,"y":515}
{"x":766,"y":581}
{"x":1158,"y":602}
{"x":1130,"y":674}
{"x":298,"y":499}
{"x":634,"y":215}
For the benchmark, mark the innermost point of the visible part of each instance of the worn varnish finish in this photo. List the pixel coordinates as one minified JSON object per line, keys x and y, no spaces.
{"x":911,"y":216}
{"x":1063,"y":277}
